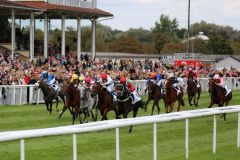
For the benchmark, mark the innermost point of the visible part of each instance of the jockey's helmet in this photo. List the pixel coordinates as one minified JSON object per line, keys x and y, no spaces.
{"x":104,"y":76}
{"x":81,"y":78}
{"x":152,"y":75}
{"x":74,"y":76}
{"x":45,"y":73}
{"x":88,"y":80}
{"x":123,"y":80}
{"x":216,"y":76}
{"x":190,"y":70}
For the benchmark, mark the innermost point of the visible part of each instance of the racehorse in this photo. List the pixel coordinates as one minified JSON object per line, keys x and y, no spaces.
{"x":193,"y":92}
{"x":218,"y":97}
{"x":72,"y":100}
{"x":49,"y":94}
{"x":88,"y":102}
{"x":124,"y":103}
{"x":105,"y":101}
{"x":155,"y":94}
{"x":171,"y":96}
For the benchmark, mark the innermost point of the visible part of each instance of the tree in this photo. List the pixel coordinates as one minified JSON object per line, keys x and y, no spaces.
{"x":167,"y":26}
{"x":160,"y":39}
{"x":218,"y":45}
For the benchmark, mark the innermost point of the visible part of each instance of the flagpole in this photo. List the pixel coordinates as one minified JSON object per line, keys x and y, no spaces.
{"x":188,"y":31}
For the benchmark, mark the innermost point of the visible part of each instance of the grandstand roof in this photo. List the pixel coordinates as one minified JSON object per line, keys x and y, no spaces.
{"x":55,"y":11}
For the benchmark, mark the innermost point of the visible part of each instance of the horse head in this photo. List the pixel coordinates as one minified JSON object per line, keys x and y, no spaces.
{"x":83,"y":93}
{"x":211,"y":85}
{"x":97,"y":88}
{"x":120,"y":90}
{"x":150,"y":87}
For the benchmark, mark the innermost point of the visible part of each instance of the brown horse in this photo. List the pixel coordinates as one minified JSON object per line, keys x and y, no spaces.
{"x":171,"y":96}
{"x":218,"y":97}
{"x":72,"y":100}
{"x":124,"y":103}
{"x":49,"y":94}
{"x":193,"y":92}
{"x":105,"y":101}
{"x":155,"y":94}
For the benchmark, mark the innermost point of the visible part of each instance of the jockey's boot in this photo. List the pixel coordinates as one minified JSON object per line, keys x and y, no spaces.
{"x":197,"y":83}
{"x":178,"y":90}
{"x":227,"y":90}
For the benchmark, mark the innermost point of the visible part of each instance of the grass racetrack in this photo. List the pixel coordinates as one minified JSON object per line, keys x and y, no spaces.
{"x":135,"y":146}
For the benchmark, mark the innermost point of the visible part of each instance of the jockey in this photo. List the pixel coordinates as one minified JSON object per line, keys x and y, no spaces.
{"x":175,"y":82}
{"x":192,"y":74}
{"x":81,"y":80}
{"x":220,"y":82}
{"x":44,"y":76}
{"x":74,"y":81}
{"x":107,"y":82}
{"x":88,"y":82}
{"x":131,"y":89}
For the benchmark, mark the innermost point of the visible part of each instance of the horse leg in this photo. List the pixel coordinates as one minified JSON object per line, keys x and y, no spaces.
{"x":154,"y":103}
{"x":51,"y":108}
{"x":158,"y":107}
{"x":211,"y":104}
{"x":190,"y":100}
{"x":135,"y":111}
{"x":63,"y":110}
{"x":57,"y":104}
{"x":166,"y":107}
{"x":96,"y":113}
{"x":75,"y":114}
{"x":172,"y":106}
{"x":146,"y":104}
{"x":47,"y":106}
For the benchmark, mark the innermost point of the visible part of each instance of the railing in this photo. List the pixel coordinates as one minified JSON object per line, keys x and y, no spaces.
{"x":24,"y":94}
{"x":116,"y":124}
{"x":75,"y":3}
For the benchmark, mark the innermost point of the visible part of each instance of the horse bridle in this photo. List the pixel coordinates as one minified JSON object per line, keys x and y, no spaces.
{"x":121,"y":94}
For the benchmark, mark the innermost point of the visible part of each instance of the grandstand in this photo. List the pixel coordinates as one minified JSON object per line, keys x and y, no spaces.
{"x":47,"y":10}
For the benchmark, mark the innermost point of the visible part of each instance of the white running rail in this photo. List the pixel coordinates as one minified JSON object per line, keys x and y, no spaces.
{"x":116,"y":124}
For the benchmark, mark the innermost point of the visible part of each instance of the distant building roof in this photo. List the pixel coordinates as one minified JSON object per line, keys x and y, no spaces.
{"x":199,"y":36}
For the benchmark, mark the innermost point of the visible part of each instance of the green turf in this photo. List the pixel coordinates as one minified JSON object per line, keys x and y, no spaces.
{"x":135,"y":146}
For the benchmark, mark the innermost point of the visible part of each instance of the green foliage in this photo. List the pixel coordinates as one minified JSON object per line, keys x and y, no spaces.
{"x":226,"y":32}
{"x":140,"y":34}
{"x":167,"y":26}
{"x":218,"y":45}
{"x":160,"y":39}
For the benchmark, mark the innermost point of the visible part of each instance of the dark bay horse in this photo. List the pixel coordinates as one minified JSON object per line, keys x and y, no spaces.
{"x":171,"y":96}
{"x":105,"y":101}
{"x":49,"y":94}
{"x":72,"y":100}
{"x":218,"y":97}
{"x":155,"y":94}
{"x":124,"y":103}
{"x":193,"y":92}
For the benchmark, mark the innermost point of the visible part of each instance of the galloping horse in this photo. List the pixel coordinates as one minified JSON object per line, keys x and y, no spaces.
{"x":49,"y":94}
{"x":171,"y":96}
{"x":105,"y":101}
{"x":124,"y":103}
{"x":218,"y":96}
{"x":193,"y":91}
{"x":72,"y":100}
{"x":155,"y":94}
{"x":88,"y":102}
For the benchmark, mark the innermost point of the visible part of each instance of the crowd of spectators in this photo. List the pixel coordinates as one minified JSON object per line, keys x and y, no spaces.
{"x":20,"y":72}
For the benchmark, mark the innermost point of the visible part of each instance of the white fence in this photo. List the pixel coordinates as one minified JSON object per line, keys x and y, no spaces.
{"x":24,"y":94}
{"x":116,"y":124}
